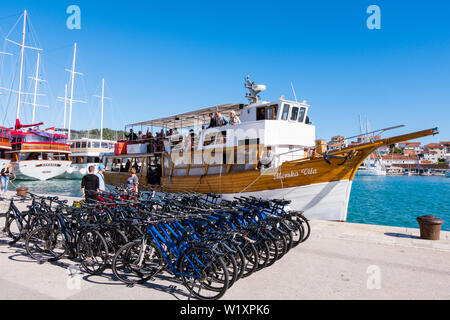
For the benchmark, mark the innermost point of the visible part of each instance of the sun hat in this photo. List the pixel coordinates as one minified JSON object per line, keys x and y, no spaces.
{"x":101,"y":167}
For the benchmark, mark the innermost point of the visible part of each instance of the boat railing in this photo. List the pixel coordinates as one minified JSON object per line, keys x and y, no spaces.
{"x":41,"y":146}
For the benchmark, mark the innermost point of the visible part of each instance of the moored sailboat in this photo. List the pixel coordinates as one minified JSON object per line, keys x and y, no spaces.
{"x":35,"y":154}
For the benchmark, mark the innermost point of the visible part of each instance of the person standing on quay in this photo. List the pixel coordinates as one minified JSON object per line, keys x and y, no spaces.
{"x":101,"y":178}
{"x":90,"y":185}
{"x":6,"y":174}
{"x":133,"y":181}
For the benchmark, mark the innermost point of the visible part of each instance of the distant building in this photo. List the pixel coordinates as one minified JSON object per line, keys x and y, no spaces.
{"x":430,"y":156}
{"x":337,"y":142}
{"x":446,"y":145}
{"x":412,"y":149}
{"x":393,"y":159}
{"x":383,"y":151}
{"x":439,"y":148}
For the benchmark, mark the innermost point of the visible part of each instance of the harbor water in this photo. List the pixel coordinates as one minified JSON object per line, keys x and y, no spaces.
{"x":389,"y":200}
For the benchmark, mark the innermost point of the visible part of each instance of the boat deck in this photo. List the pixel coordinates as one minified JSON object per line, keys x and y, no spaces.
{"x":339,"y":261}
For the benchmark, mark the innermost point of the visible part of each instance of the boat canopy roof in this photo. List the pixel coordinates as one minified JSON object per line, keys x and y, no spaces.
{"x":189,"y":119}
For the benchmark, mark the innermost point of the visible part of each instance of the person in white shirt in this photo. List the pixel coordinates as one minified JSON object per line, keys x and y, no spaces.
{"x":234,"y":119}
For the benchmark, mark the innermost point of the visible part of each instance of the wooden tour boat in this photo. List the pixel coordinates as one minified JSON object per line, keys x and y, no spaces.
{"x":272,"y":153}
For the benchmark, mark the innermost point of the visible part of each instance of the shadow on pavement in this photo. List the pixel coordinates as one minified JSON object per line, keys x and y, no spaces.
{"x":401,"y":235}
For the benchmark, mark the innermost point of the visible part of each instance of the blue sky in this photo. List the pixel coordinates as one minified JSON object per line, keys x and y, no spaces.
{"x":160,"y":59}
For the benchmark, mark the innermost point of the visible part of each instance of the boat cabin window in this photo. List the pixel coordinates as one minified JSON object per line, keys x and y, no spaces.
{"x":294,"y":114}
{"x":83,"y":144}
{"x":96,"y":145}
{"x":33,"y":138}
{"x":113,"y":164}
{"x":272,"y":112}
{"x":61,"y":140}
{"x":5,"y":133}
{"x":261,"y":113}
{"x":285,"y":114}
{"x":267,"y":113}
{"x":301,"y":117}
{"x":78,"y":145}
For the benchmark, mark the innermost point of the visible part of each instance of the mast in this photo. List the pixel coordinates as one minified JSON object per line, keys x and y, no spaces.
{"x":21,"y":62}
{"x":102,"y":97}
{"x":36,"y":81}
{"x":72,"y":82}
{"x":103,"y":104}
{"x":35,"y":86}
{"x":72,"y":85}
{"x":65,"y":105}
{"x":22,"y":57}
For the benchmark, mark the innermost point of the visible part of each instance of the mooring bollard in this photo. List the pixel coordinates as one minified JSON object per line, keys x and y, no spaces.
{"x":22,"y":191}
{"x":430,"y":227}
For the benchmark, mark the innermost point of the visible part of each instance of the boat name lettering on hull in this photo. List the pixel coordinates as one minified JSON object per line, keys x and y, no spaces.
{"x":293,"y":174}
{"x":48,"y":165}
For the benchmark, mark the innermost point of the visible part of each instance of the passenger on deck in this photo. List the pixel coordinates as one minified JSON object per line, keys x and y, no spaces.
{"x":212,"y":121}
{"x":140,"y":135}
{"x":131,"y":136}
{"x":221,"y":120}
{"x":234,"y":119}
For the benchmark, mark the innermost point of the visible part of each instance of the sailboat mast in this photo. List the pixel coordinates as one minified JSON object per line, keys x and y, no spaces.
{"x":65,"y":105}
{"x":72,"y":86}
{"x":21,"y":62}
{"x":36,"y":79}
{"x":103,"y":103}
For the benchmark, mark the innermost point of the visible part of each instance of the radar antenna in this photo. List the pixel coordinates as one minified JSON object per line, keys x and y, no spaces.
{"x":253,"y":96}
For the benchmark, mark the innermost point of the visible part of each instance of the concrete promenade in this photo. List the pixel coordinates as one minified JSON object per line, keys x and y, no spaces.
{"x":339,"y":261}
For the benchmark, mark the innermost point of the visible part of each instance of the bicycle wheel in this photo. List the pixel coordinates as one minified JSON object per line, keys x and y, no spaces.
{"x":92,"y":251}
{"x":274,"y":252}
{"x":232,"y":268}
{"x":239,"y":256}
{"x":281,"y":244}
{"x":14,"y":228}
{"x":133,"y":264}
{"x":306,"y":226}
{"x":115,"y":239}
{"x":45,"y":244}
{"x":297,"y":232}
{"x":251,"y":259}
{"x":204,"y":274}
{"x":262,"y":246}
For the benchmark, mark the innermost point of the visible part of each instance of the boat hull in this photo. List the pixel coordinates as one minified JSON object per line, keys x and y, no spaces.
{"x":40,"y":170}
{"x":78,"y":171}
{"x":319,"y":185}
{"x":322,"y":201}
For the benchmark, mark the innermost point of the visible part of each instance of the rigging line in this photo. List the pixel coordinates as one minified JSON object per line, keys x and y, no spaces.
{"x":12,"y":15}
{"x":18,"y":20}
{"x":10,"y":93}
{"x":254,"y":181}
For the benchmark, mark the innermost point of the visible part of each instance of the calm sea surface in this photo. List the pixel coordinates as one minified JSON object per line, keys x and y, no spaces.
{"x":391,"y":200}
